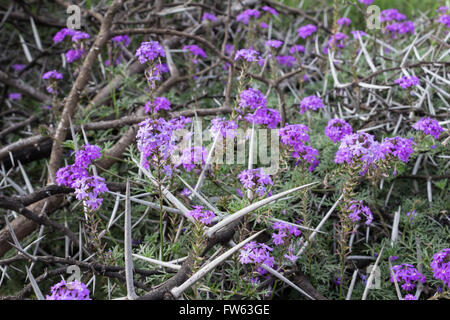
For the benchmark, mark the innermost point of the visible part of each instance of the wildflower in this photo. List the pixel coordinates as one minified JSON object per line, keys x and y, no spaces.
{"x":192,"y":156}
{"x":18,"y":67}
{"x":202,"y":215}
{"x":61,"y":34}
{"x":274,"y":43}
{"x":245,"y":16}
{"x":336,"y":129}
{"x":344,"y":21}
{"x":399,"y":147}
{"x":267,"y":116}
{"x":406,"y":82}
{"x":440,"y":265}
{"x":79,"y":35}
{"x":429,"y":126}
{"x":149,"y":51}
{"x":391,"y":15}
{"x":227,"y":128}
{"x":411,"y":214}
{"x":263,"y":25}
{"x":249,"y":55}
{"x":186,"y":192}
{"x":400,"y":28}
{"x":52,"y":75}
{"x":252,"y":98}
{"x":410,"y":297}
{"x":356,"y":208}
{"x":358,"y":33}
{"x":270,"y":10}
{"x":311,"y":103}
{"x":336,"y":40}
{"x":306,"y":31}
{"x":258,"y":253}
{"x":15,"y":96}
{"x":160,"y":103}
{"x":73,"y":55}
{"x":123,"y":39}
{"x":366,"y":2}
{"x":255,"y":179}
{"x":209,"y":16}
{"x":69,"y":291}
{"x":284,"y":230}
{"x":442,"y":9}
{"x":406,"y":275}
{"x":196,"y":51}
{"x":286,"y":60}
{"x":444,"y":19}
{"x":297,"y":48}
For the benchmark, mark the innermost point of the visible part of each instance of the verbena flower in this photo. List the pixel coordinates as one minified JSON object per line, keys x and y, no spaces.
{"x":253,"y":99}
{"x":73,"y":55}
{"x":196,"y":51}
{"x":193,"y":156}
{"x":61,"y":34}
{"x":160,"y":103}
{"x":391,"y":15}
{"x":79,"y":35}
{"x":442,"y":9}
{"x":366,"y":2}
{"x":356,"y":210}
{"x":357,"y":33}
{"x":288,"y":61}
{"x":249,"y":55}
{"x":255,"y":179}
{"x":123,"y":39}
{"x":227,"y":128}
{"x":406,"y":82}
{"x":202,"y":215}
{"x":310,"y":103}
{"x":52,"y":75}
{"x":245,"y":16}
{"x":336,"y":129}
{"x":283,"y":232}
{"x":149,"y":51}
{"x":297,"y":48}
{"x":274,"y":43}
{"x":444,"y":19}
{"x":209,"y":16}
{"x":344,"y":21}
{"x":270,"y":10}
{"x":257,"y":253}
{"x":305,"y":31}
{"x":440,"y":264}
{"x":399,"y":28}
{"x":15,"y":96}
{"x":411,"y":214}
{"x":74,"y":290}
{"x":405,"y":274}
{"x":429,"y":126}
{"x":267,"y":116}
{"x":336,"y":40}
{"x":399,"y":147}
{"x":263,"y":25}
{"x":18,"y":67}
{"x":410,"y":297}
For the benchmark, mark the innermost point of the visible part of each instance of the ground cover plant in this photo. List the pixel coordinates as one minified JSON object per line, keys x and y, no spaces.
{"x":208,"y":150}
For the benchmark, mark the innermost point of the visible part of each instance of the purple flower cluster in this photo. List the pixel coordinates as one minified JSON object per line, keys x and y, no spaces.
{"x":399,"y":147}
{"x":209,"y":16}
{"x":411,"y":214}
{"x":160,"y":103}
{"x":366,"y":2}
{"x":296,"y":136}
{"x":391,"y":15}
{"x":284,"y":232}
{"x":155,"y":138}
{"x":87,"y":188}
{"x":356,"y":208}
{"x":359,"y":33}
{"x":400,"y":28}
{"x":202,"y":215}
{"x":406,"y":82}
{"x":344,"y":21}
{"x":253,"y":99}
{"x":267,"y":116}
{"x":336,"y":40}
{"x":123,"y":39}
{"x":270,"y":10}
{"x":196,"y":51}
{"x":297,"y":48}
{"x":245,"y":16}
{"x":405,"y":274}
{"x":258,"y":253}
{"x":288,"y":61}
{"x":336,"y":129}
{"x":255,"y":179}
{"x":305,"y":31}
{"x":249,"y":55}
{"x":64,"y":32}
{"x":274,"y":43}
{"x":69,"y":291}
{"x":15,"y":96}
{"x":444,"y":19}
{"x":429,"y":126}
{"x":227,"y":128}
{"x":441,"y":266}
{"x":149,"y":51}
{"x":192,"y":156}
{"x":18,"y":67}
{"x":73,"y":55}
{"x":52,"y":75}
{"x":410,"y":297}
{"x":311,"y":103}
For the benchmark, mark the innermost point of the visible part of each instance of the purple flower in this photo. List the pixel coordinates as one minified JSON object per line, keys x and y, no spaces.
{"x":79,"y":35}
{"x":284,"y":230}
{"x":149,"y":51}
{"x":196,"y":50}
{"x":209,"y":16}
{"x":74,"y":54}
{"x":311,"y":103}
{"x":336,"y":40}
{"x":249,"y":55}
{"x":429,"y":126}
{"x":391,"y":15}
{"x":410,"y":297}
{"x":15,"y":96}
{"x":411,"y":214}
{"x":444,"y":19}
{"x":227,"y":128}
{"x":258,"y":253}
{"x":297,"y":48}
{"x":192,"y":156}
{"x":245,"y":16}
{"x":288,"y":61}
{"x":399,"y":147}
{"x":267,"y":116}
{"x":344,"y":21}
{"x":355,"y":209}
{"x":366,"y":2}
{"x":202,"y":215}
{"x":440,"y":265}
{"x":61,"y":34}
{"x":52,"y":75}
{"x":274,"y":43}
{"x":253,"y":99}
{"x":123,"y":39}
{"x":336,"y":129}
{"x":442,"y":9}
{"x":270,"y":10}
{"x":18,"y":67}
{"x":186,"y":192}
{"x":406,"y":82}
{"x":160,"y":103}
{"x":400,"y":28}
{"x":255,"y":179}
{"x":306,"y":31}
{"x":359,"y":33}
{"x":406,"y":275}
{"x":263,"y":25}
{"x":69,"y":291}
